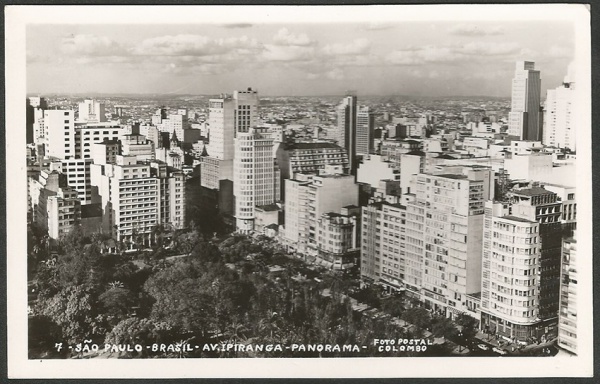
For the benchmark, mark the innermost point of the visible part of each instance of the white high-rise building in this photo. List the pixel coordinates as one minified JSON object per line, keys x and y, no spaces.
{"x":365,"y":125}
{"x":510,"y":279}
{"x":444,"y":228}
{"x":221,"y":120}
{"x":524,"y":115}
{"x":255,"y":176}
{"x":60,"y":133}
{"x":227,"y":117}
{"x":559,"y":130}
{"x":91,"y":111}
{"x":137,"y":196}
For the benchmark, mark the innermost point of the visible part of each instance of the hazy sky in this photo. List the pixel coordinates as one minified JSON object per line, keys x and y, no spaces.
{"x":435,"y":58}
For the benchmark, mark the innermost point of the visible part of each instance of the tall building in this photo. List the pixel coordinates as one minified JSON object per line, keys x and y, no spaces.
{"x":255,"y":176}
{"x":227,"y":116}
{"x":365,"y":131}
{"x":559,"y":130}
{"x":91,"y":111}
{"x":347,"y":112}
{"x":510,"y":274}
{"x":246,"y":110}
{"x":383,"y":255}
{"x":221,"y":119}
{"x":524,"y":116}
{"x":521,"y":258}
{"x":567,"y":315}
{"x":60,"y":133}
{"x":308,"y":197}
{"x":444,"y":221}
{"x":295,"y":235}
{"x":138,"y":196}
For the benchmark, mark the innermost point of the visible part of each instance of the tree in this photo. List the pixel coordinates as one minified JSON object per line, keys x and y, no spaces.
{"x":141,"y":331}
{"x":419,"y":317}
{"x":468,"y":324}
{"x":442,"y":326}
{"x":394,"y":306}
{"x":117,"y":303}
{"x":74,"y":310}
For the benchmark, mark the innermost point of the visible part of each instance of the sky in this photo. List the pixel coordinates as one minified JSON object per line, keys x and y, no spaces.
{"x":420,"y":58}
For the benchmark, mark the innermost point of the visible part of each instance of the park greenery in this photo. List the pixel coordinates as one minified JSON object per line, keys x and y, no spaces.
{"x":197,"y":288}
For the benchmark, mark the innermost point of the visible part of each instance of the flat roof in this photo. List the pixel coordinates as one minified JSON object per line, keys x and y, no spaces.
{"x":533,"y":191}
{"x":452,"y":176}
{"x":305,"y":145}
{"x":519,"y":219}
{"x":268,"y":207}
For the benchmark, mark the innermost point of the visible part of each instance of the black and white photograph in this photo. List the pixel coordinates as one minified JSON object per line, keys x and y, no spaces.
{"x":299,"y":191}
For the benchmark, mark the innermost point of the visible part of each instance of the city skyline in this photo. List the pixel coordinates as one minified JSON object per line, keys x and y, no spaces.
{"x":419,"y":58}
{"x":299,"y":185}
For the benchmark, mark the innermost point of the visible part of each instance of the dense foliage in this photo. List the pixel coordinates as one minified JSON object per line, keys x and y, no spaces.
{"x":238,"y":290}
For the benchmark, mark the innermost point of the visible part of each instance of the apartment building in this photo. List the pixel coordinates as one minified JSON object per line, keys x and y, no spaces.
{"x":309,"y":157}
{"x":137,"y":196}
{"x":523,"y":247}
{"x":444,"y":232}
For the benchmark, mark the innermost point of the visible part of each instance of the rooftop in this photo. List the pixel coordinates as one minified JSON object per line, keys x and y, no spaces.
{"x":452,"y":176}
{"x":519,"y":219}
{"x":533,"y":191}
{"x":268,"y":208}
{"x":319,"y":145}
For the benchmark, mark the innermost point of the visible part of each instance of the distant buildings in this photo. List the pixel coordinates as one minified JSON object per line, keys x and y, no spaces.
{"x":524,"y":117}
{"x":91,"y":111}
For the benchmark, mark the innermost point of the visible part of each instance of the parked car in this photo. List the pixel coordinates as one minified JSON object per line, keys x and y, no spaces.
{"x":499,"y":351}
{"x":483,"y":346}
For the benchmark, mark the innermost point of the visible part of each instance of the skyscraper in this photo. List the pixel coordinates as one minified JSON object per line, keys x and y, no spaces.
{"x":255,"y":176}
{"x":246,"y":110}
{"x":524,"y":116}
{"x":559,"y":131}
{"x":347,"y":112}
{"x":365,"y":126}
{"x":227,"y":116}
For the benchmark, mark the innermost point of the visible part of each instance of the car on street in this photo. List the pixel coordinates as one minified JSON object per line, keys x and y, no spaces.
{"x":499,"y":351}
{"x":483,"y":346}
